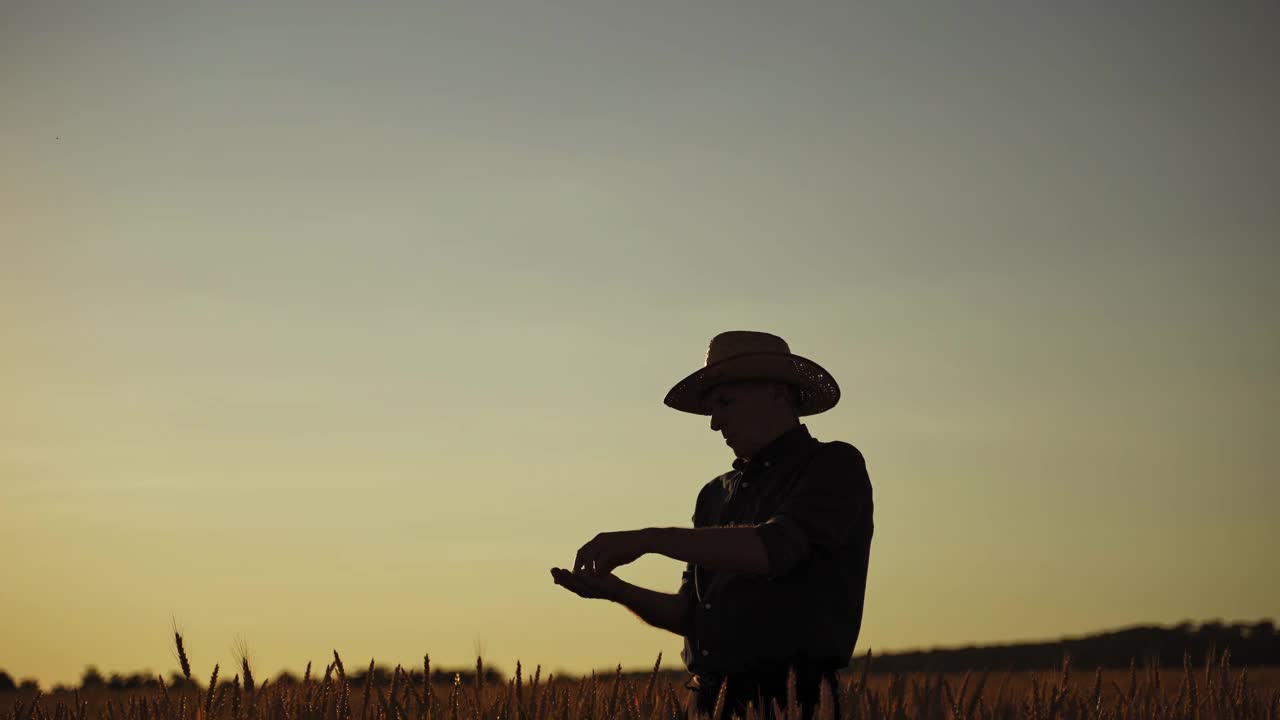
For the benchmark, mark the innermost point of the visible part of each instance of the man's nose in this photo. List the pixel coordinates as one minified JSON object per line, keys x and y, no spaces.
{"x":716,"y":424}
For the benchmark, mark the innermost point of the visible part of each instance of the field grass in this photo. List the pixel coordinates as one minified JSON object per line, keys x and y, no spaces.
{"x":1209,"y":692}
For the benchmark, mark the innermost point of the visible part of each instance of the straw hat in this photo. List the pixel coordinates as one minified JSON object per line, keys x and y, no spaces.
{"x":749,"y":355}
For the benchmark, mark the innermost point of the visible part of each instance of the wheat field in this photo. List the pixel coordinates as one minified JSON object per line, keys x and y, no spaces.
{"x":1209,"y":692}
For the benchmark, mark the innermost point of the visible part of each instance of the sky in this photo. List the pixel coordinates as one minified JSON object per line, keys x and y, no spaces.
{"x":337,"y":325}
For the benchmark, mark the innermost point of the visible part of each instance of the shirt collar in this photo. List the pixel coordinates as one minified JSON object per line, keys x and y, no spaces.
{"x":780,"y":447}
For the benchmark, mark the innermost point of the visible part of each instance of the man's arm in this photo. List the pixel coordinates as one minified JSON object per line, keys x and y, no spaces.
{"x":668,"y":611}
{"x":673,"y":612}
{"x":736,"y":550}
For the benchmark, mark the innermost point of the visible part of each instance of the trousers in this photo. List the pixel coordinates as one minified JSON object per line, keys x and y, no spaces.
{"x":762,"y":687}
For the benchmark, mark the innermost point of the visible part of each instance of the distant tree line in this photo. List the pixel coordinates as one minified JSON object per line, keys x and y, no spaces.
{"x":8,"y":685}
{"x":1250,"y":644}
{"x":93,"y":679}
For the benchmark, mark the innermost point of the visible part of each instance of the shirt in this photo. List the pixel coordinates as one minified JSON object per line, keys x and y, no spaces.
{"x":810,"y":502}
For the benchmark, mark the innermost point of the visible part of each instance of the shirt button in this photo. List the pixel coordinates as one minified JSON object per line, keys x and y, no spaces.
{"x":704,"y":653}
{"x":707,"y":606}
{"x":767,"y":463}
{"x":746,"y":484}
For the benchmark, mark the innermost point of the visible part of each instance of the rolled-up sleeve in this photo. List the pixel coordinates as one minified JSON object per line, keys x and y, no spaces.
{"x":821,"y":510}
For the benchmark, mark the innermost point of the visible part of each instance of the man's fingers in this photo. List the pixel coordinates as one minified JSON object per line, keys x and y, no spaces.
{"x":585,"y":559}
{"x":564,"y":579}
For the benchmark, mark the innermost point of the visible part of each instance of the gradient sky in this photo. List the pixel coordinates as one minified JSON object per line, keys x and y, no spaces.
{"x":337,"y":326}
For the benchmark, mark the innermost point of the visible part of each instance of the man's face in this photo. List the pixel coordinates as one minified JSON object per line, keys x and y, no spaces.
{"x":747,"y":413}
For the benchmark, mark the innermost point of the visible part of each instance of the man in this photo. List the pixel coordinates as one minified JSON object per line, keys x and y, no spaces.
{"x":776,"y":561}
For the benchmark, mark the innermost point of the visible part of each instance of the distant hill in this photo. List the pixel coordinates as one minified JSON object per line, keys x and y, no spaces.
{"x":1251,"y":644}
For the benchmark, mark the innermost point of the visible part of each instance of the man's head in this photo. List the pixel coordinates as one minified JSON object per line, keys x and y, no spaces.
{"x":749,"y":355}
{"x":751,"y":413}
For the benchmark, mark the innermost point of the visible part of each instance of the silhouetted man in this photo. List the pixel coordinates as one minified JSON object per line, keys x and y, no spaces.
{"x":776,"y":561}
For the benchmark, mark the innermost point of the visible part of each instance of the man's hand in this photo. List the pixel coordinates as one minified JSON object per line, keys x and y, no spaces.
{"x":607,"y":551}
{"x":586,"y":585}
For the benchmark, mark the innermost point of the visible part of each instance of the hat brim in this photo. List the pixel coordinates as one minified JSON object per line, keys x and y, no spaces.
{"x":817,"y":389}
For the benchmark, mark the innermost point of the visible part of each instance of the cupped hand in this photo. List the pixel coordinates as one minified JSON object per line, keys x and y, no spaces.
{"x":587,"y":585}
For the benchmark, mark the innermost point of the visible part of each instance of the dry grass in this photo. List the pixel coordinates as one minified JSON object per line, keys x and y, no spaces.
{"x":1214,"y":691}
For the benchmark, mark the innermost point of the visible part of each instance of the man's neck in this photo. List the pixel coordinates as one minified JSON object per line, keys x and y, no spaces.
{"x":773,"y":437}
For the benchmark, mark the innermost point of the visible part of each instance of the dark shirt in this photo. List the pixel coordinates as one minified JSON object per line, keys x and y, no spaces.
{"x":811,"y":503}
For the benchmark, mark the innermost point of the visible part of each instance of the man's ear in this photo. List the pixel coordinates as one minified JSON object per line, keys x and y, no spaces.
{"x":788,"y":396}
{"x":781,"y":394}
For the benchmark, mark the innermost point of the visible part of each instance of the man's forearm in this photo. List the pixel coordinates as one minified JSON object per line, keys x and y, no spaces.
{"x":726,"y":549}
{"x":661,"y":610}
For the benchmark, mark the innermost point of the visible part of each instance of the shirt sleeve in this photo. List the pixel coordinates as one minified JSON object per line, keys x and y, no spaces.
{"x":822,"y":510}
